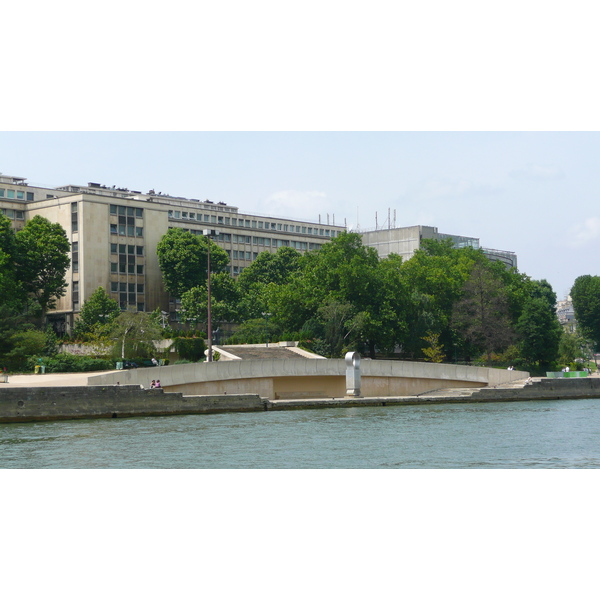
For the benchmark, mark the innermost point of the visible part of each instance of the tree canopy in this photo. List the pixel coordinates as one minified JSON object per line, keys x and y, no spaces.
{"x":42,"y":258}
{"x":182,"y":257}
{"x":585,"y":294}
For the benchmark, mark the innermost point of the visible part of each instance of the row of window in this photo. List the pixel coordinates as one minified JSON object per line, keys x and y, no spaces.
{"x":128,"y":211}
{"x":132,"y":288}
{"x":13,"y":214}
{"x":260,"y":241}
{"x":126,"y":249}
{"x":16,"y":194}
{"x":128,"y":230}
{"x":127,"y":267}
{"x":251,"y":223}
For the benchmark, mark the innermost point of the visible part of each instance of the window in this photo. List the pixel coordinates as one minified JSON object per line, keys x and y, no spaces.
{"x":19,"y":214}
{"x":113,"y":248}
{"x":122,"y":249}
{"x":192,"y":215}
{"x":29,"y":196}
{"x":113,"y":209}
{"x":140,"y":288}
{"x":235,"y":270}
{"x":177,"y":214}
{"x":121,"y":210}
{"x":114,"y":286}
{"x":260,"y":225}
{"x":227,"y":220}
{"x":20,"y":195}
{"x":285,"y":227}
{"x":304,"y":230}
{"x":273,"y":226}
{"x":121,"y":229}
{"x":206,"y":218}
{"x":2,"y":192}
{"x":140,"y":269}
{"x":139,"y":232}
{"x":130,"y":211}
{"x":10,"y":193}
{"x":213,"y":219}
{"x":321,"y":232}
{"x":254,"y":224}
{"x":74,"y":216}
{"x":139,"y":213}
{"x":220,"y":220}
{"x":170,"y":214}
{"x":310,"y":230}
{"x":130,"y":230}
{"x":297,"y":228}
{"x":234,"y":221}
{"x":113,"y":267}
{"x":140,"y":307}
{"x":247,"y":255}
{"x":184,"y":215}
{"x":130,"y":249}
{"x":254,"y":255}
{"x":235,"y":255}
{"x":139,"y":250}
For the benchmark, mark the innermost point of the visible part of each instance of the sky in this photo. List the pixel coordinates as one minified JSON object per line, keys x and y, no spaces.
{"x":533,"y":193}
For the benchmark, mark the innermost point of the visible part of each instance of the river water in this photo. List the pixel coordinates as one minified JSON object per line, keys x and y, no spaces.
{"x":541,"y":434}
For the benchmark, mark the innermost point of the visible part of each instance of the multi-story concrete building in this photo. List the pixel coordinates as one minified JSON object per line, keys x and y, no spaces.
{"x":114,"y":233}
{"x":406,"y":240}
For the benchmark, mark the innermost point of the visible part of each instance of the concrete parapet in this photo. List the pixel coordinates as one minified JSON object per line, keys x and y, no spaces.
{"x":310,"y":378}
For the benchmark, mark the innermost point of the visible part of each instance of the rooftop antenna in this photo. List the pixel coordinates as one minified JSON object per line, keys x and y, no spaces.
{"x":334,"y":218}
{"x":394,"y":218}
{"x":389,"y":220}
{"x":376,"y":220}
{"x":327,"y":218}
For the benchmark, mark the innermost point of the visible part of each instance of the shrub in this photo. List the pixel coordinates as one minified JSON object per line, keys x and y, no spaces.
{"x":70,"y":363}
{"x":191,"y":349}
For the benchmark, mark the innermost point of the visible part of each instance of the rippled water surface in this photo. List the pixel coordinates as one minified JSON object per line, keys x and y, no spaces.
{"x":548,"y":434}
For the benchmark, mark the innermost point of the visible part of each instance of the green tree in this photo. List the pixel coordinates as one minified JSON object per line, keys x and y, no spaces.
{"x":224,"y":300}
{"x":182,"y":257}
{"x":540,"y":333}
{"x":269,"y":268}
{"x":97,"y":313}
{"x":42,"y":261}
{"x":134,"y":334}
{"x":11,"y":290}
{"x":585,"y":294}
{"x":482,"y":314}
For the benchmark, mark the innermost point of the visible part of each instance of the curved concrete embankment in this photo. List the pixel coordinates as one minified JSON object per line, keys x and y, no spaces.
{"x":298,"y":379}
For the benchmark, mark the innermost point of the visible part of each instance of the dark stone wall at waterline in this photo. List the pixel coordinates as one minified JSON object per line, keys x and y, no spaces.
{"x":90,"y":402}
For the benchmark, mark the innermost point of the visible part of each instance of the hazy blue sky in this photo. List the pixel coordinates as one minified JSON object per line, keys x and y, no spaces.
{"x":533,"y":193}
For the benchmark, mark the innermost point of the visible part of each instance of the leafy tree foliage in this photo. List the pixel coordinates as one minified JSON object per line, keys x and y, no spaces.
{"x":224,"y":300}
{"x":11,"y":289}
{"x":585,"y":294}
{"x":482,"y":313}
{"x":182,"y":257}
{"x":540,"y":332}
{"x":97,"y":312}
{"x":134,"y":333}
{"x":42,"y":257}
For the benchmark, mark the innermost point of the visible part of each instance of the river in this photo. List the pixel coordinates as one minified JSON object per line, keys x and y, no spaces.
{"x":541,"y":434}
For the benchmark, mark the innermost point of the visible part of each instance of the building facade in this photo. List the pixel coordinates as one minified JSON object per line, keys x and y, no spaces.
{"x":114,"y":233}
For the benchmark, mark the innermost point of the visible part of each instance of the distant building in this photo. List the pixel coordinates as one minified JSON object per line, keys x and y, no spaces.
{"x":404,"y":241}
{"x":566,"y":314}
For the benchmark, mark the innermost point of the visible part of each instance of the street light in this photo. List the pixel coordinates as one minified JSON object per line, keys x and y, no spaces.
{"x":209,"y":233}
{"x":266,"y":315}
{"x":163,"y":314}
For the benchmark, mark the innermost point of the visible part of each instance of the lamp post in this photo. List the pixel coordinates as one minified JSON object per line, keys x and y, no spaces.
{"x":266,"y":315}
{"x":163,"y":315}
{"x":208,"y":234}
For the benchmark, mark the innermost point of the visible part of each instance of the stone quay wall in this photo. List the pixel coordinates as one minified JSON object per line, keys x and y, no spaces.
{"x":96,"y":402}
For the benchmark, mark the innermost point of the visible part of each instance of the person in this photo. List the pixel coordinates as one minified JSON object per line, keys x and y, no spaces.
{"x":158,"y":383}
{"x":154,"y":362}
{"x":153,"y":384}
